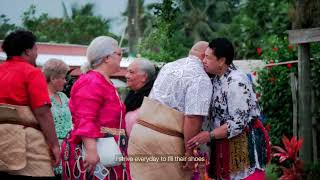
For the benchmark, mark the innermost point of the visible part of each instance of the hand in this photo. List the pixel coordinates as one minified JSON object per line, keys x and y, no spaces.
{"x":189,"y":166}
{"x":55,"y":153}
{"x":91,"y":160}
{"x":201,"y":138}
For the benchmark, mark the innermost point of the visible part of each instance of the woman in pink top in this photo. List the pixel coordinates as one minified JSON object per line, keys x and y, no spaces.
{"x":95,"y":105}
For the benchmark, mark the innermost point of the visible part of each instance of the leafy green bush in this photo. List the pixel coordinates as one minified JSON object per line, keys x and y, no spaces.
{"x":274,"y":86}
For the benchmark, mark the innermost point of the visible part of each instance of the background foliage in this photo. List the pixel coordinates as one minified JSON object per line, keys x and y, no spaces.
{"x":78,"y":28}
{"x":256,"y":27}
{"x":274,"y":86}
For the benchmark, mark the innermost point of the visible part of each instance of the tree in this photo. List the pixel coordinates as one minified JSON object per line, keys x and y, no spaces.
{"x":177,"y":24}
{"x":166,"y":41}
{"x":5,"y":26}
{"x":203,"y":19}
{"x":255,"y":21}
{"x":81,"y":28}
{"x":133,"y":26}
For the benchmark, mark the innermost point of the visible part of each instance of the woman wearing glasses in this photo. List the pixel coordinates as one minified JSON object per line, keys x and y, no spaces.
{"x":96,"y":112}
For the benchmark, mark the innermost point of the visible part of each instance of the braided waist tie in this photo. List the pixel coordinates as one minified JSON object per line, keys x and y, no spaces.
{"x":160,"y":130}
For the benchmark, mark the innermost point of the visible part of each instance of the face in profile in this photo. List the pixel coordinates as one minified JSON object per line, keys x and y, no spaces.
{"x":58,"y":82}
{"x":32,"y":54}
{"x":114,"y":59}
{"x":136,"y":79}
{"x":211,"y":62}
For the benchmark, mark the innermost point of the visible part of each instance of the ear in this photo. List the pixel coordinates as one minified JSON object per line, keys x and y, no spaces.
{"x":202,"y":55}
{"x":52,"y":78}
{"x":106,"y":60}
{"x":222,"y":61}
{"x":144,"y":78}
{"x":26,"y":52}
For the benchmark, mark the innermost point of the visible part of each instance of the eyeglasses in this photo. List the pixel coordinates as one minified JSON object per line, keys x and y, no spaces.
{"x":118,"y":53}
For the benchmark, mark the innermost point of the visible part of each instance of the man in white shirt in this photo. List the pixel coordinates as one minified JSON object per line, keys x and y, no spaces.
{"x":172,"y":114}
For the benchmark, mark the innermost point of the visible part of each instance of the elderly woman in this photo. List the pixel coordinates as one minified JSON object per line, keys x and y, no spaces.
{"x":239,"y":142}
{"x":140,"y":77}
{"x":55,"y":71}
{"x":97,"y":112}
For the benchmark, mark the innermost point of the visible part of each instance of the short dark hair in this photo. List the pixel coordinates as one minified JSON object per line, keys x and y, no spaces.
{"x":17,"y":42}
{"x":222,"y":47}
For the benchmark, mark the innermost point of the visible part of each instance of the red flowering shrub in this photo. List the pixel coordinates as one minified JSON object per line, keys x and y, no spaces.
{"x":290,"y":153}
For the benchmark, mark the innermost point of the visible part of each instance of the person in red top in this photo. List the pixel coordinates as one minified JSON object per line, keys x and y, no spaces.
{"x":23,"y":84}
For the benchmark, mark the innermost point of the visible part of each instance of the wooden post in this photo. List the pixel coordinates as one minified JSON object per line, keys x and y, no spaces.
{"x":314,"y":128}
{"x":303,"y":37}
{"x":293,"y":83}
{"x":305,"y":120}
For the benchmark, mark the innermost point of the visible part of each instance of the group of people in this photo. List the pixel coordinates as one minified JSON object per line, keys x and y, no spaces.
{"x":162,"y":114}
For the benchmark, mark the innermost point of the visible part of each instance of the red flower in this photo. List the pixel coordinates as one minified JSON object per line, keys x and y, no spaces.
{"x":254,"y":73}
{"x":275,"y":49}
{"x":289,"y":66}
{"x":290,"y":46}
{"x":259,"y":51}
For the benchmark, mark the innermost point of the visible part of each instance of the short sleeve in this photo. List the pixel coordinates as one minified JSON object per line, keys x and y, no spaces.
{"x":238,"y":106}
{"x":198,"y":95}
{"x":37,"y":89}
{"x":85,"y":104}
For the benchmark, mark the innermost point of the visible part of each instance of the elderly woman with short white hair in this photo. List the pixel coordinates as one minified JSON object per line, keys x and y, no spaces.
{"x":97,"y":112}
{"x":140,"y":76}
{"x":55,"y":71}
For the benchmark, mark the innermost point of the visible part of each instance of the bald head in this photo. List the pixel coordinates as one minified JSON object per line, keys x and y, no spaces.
{"x":198,"y":49}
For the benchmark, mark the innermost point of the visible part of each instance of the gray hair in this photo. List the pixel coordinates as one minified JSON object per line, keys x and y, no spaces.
{"x":54,"y":67}
{"x":97,"y":50}
{"x":147,"y":67}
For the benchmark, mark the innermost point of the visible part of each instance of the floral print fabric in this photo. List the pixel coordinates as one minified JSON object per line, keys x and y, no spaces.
{"x":234,"y":102}
{"x":61,"y":115}
{"x":62,"y":120}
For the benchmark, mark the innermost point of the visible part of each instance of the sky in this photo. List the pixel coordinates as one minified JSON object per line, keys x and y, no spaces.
{"x":109,"y":9}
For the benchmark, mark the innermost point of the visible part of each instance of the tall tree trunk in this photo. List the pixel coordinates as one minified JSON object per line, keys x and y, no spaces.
{"x":133,"y":26}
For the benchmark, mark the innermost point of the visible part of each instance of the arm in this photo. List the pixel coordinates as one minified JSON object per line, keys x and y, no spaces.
{"x":40,"y":103}
{"x":191,"y":127}
{"x":238,"y":98}
{"x":239,"y":111}
{"x":85,"y":104}
{"x":197,"y":102}
{"x":44,"y":117}
{"x":91,"y":156}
